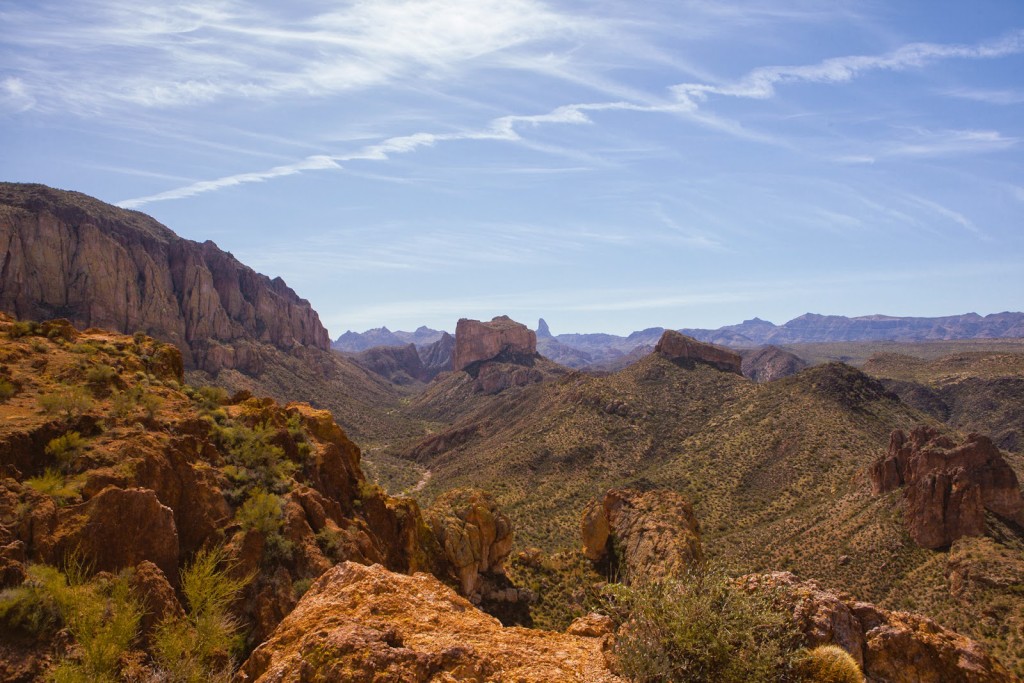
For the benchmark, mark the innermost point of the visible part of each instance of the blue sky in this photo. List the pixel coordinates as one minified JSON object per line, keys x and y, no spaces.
{"x":609,"y":166}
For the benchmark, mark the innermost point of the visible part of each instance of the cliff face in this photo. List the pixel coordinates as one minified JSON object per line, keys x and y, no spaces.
{"x":69,"y":255}
{"x":477,"y":341}
{"x":679,"y":347}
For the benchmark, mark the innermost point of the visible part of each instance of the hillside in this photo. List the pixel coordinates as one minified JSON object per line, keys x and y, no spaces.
{"x":972,"y":391}
{"x":777,"y":473}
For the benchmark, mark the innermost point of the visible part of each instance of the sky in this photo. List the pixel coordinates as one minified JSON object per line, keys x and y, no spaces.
{"x":606,"y":165}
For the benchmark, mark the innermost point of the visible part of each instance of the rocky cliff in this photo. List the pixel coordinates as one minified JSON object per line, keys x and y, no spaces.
{"x":682,"y":349}
{"x":69,"y":255}
{"x":477,"y":341}
{"x":948,"y":487}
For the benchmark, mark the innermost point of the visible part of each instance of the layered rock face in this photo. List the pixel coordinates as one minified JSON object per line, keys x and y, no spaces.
{"x":770,"y":363}
{"x":680,"y":348}
{"x":475,"y":535}
{"x":947,"y":486}
{"x":437,"y":357}
{"x":477,"y":341}
{"x":71,"y":256}
{"x":399,"y":364}
{"x":655,"y":533}
{"x":890,"y":647}
{"x":365,"y":624}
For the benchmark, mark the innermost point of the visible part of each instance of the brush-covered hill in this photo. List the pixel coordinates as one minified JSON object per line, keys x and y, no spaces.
{"x":974,"y":391}
{"x":72,"y":256}
{"x":777,"y":472}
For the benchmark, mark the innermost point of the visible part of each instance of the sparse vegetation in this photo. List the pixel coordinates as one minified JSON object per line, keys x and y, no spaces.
{"x":202,"y":646}
{"x":53,"y":484}
{"x":68,"y":402}
{"x":703,"y":628}
{"x":100,"y":614}
{"x":64,"y":449}
{"x":7,"y":389}
{"x":264,"y":512}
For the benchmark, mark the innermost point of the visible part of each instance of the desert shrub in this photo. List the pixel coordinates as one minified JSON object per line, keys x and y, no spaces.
{"x":202,"y":645}
{"x":211,"y":397}
{"x":703,"y":627}
{"x":70,"y":402}
{"x":65,"y":449}
{"x":99,"y":377}
{"x":32,"y":607}
{"x":23,"y":328}
{"x":7,"y":389}
{"x":151,"y":403}
{"x":101,"y":615}
{"x":125,"y":402}
{"x":300,"y":587}
{"x":52,"y":483}
{"x":829,"y":664}
{"x":264,"y":512}
{"x":330,"y":543}
{"x":252,"y":461}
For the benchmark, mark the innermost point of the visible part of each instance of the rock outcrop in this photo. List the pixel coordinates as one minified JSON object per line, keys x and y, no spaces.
{"x":682,"y":349}
{"x":437,"y":357}
{"x":890,"y":647}
{"x":649,"y":534}
{"x":71,"y":256}
{"x":769,"y":363}
{"x":502,"y":338}
{"x":947,"y":486}
{"x":475,"y":535}
{"x":366,"y":624}
{"x":398,"y":364}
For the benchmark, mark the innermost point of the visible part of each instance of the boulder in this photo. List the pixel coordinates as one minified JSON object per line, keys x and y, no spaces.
{"x":890,"y":647}
{"x":151,"y":587}
{"x":475,"y":536}
{"x":364,"y":624}
{"x":119,"y":528}
{"x":947,"y":486}
{"x":503,"y":337}
{"x":679,"y":348}
{"x":643,"y":534}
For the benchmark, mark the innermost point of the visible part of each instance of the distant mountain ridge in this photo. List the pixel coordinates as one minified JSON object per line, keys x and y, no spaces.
{"x":610,"y":351}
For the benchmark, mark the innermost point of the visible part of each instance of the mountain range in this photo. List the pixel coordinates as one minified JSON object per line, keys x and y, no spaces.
{"x":156,"y":401}
{"x":609,"y":351}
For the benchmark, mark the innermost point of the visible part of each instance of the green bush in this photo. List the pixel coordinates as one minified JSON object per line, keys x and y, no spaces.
{"x":151,"y":403}
{"x":101,"y":615}
{"x":254,"y":462}
{"x":7,"y":389}
{"x":32,"y":607}
{"x":65,"y":449}
{"x":264,"y":512}
{"x":23,"y":328}
{"x":330,"y":543}
{"x":125,"y":402}
{"x":202,"y":645}
{"x":210,"y":397}
{"x":52,"y":483}
{"x":70,"y":402}
{"x":703,"y":628}
{"x":829,"y":664}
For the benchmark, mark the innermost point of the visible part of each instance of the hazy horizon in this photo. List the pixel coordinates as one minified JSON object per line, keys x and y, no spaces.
{"x":607,"y":166}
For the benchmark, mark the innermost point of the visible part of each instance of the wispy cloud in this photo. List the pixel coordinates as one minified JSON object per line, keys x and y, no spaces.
{"x":179,"y":54}
{"x":14,"y":95}
{"x":761,"y":83}
{"x":1002,"y":96}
